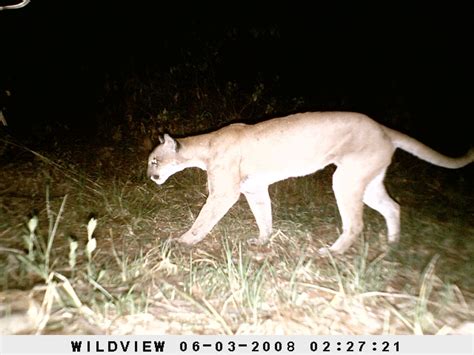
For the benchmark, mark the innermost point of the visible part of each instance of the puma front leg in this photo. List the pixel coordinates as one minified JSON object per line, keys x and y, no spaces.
{"x":214,"y":209}
{"x":222,"y":196}
{"x":261,"y":207}
{"x":260,"y":204}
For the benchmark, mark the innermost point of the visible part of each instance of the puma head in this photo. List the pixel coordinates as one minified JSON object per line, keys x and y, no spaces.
{"x":164,"y":160}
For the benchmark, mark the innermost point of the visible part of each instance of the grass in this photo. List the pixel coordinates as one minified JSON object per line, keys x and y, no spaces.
{"x":137,"y":280}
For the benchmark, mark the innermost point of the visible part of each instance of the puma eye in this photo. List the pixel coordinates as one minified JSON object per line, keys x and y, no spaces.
{"x":154,"y":162}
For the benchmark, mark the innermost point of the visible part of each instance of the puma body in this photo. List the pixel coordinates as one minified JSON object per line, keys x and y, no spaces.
{"x":246,"y":159}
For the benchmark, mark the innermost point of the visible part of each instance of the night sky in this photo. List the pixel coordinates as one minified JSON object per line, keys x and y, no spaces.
{"x":408,"y":66}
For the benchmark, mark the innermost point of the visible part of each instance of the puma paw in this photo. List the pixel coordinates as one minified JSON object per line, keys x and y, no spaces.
{"x":393,"y":239}
{"x":326,"y":251}
{"x":257,"y":241}
{"x":323,"y":251}
{"x":189,"y":238}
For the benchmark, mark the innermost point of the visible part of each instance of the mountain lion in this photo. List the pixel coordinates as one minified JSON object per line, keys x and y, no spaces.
{"x":246,"y":159}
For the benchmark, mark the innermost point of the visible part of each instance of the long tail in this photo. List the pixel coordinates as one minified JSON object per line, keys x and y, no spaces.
{"x":424,"y":152}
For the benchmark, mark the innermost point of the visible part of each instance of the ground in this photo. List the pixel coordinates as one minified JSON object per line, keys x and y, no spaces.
{"x":138,"y":280}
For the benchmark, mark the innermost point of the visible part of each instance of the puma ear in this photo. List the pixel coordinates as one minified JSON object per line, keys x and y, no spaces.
{"x":168,"y":141}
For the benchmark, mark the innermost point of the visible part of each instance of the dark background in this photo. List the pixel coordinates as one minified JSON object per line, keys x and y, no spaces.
{"x":71,"y":65}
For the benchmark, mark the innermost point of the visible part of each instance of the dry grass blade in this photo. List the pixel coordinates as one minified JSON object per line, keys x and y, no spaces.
{"x":52,"y":234}
{"x":72,"y":175}
{"x":207,"y":308}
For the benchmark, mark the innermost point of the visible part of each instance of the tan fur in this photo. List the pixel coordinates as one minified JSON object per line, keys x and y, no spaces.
{"x":248,"y":158}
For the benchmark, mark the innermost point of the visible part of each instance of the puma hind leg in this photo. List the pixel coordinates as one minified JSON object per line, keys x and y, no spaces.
{"x":353,"y":185}
{"x":348,"y":193}
{"x":377,"y":198}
